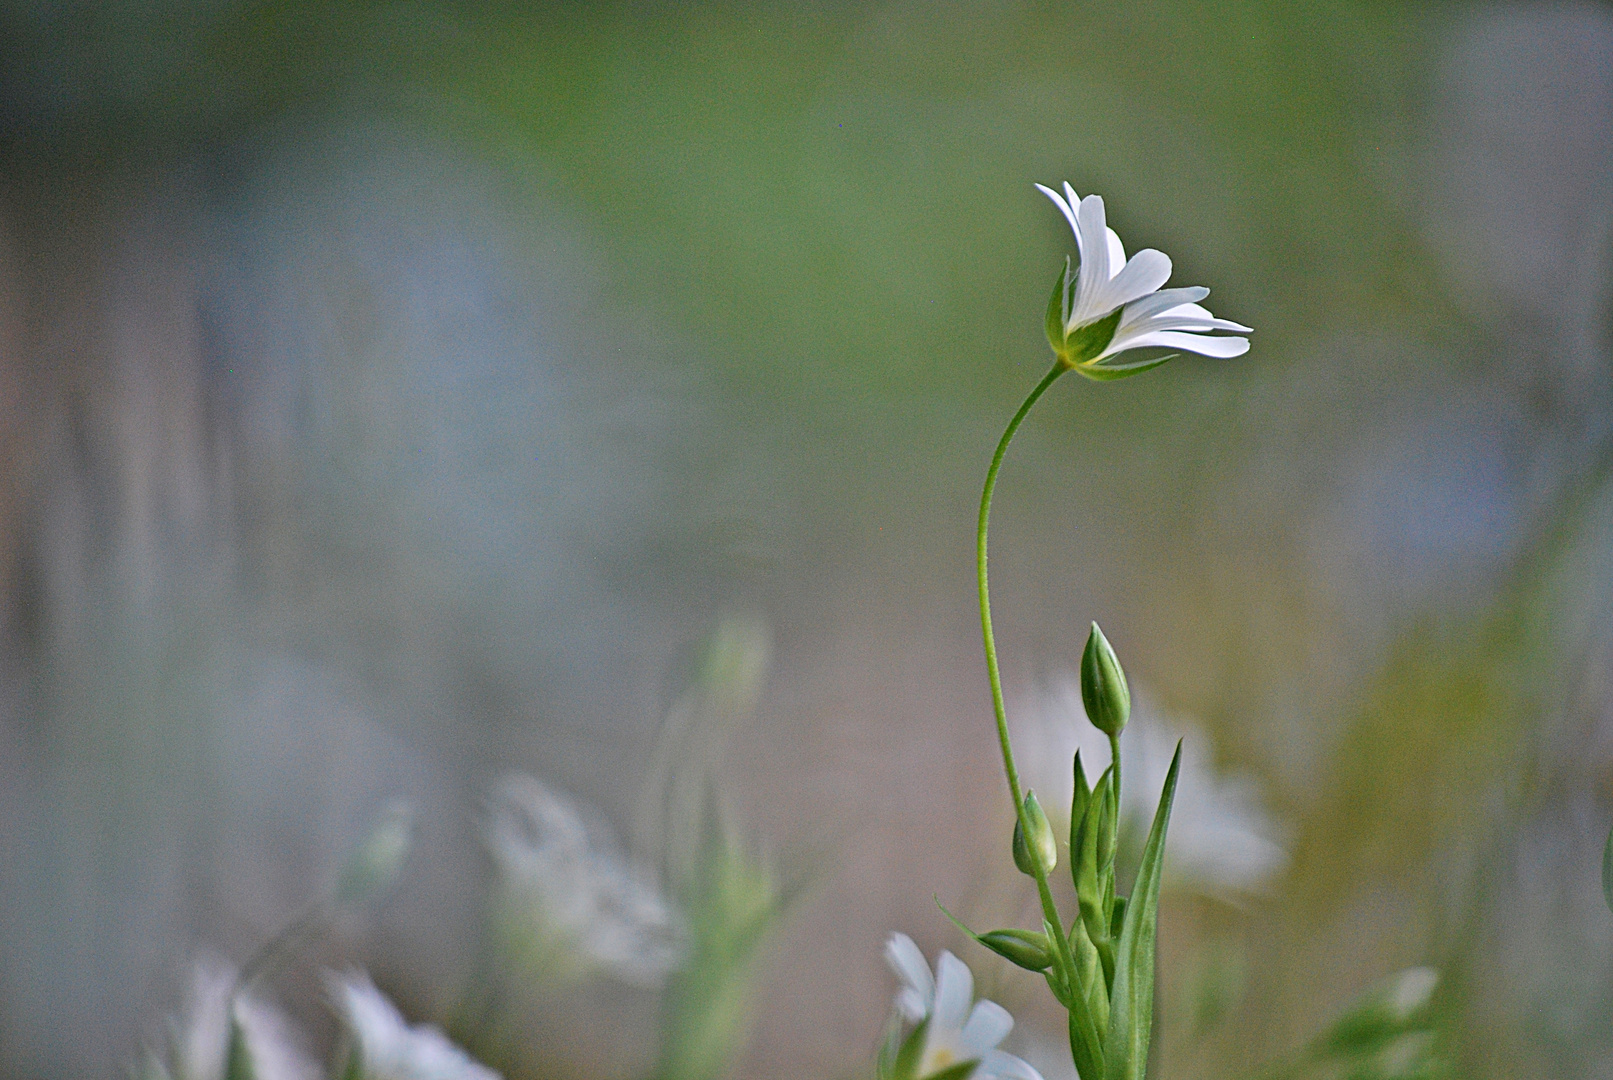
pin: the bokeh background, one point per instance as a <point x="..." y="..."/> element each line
<point x="394" y="395"/>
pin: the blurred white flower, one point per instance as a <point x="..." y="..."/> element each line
<point x="571" y="889"/>
<point x="955" y="1032"/>
<point x="1221" y="839"/>
<point x="386" y="1047"/>
<point x="199" y="1038"/>
<point x="1109" y="304"/>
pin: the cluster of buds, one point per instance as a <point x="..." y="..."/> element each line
<point x="1102" y="968"/>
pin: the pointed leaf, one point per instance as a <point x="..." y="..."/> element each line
<point x="1094" y="989"/>
<point x="1131" y="1007"/>
<point x="1097" y="859"/>
<point x="1104" y="373"/>
<point x="1086" y="1049"/>
<point x="1078" y="812"/>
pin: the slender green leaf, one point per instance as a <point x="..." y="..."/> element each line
<point x="1078" y="813"/>
<point x="1086" y="1049"/>
<point x="1097" y="860"/>
<point x="1131" y="1007"/>
<point x="1094" y="987"/>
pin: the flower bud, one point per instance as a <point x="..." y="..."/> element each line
<point x="376" y="862"/>
<point x="1042" y="844"/>
<point x="1103" y="685"/>
<point x="1026" y="948"/>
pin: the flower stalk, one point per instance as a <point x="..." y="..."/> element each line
<point x="1101" y="969"/>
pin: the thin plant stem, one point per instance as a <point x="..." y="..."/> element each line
<point x="993" y="672"/>
<point x="1114" y="754"/>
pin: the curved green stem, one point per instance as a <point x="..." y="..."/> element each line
<point x="992" y="670"/>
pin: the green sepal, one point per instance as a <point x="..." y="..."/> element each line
<point x="1085" y="342"/>
<point x="906" y="1065"/>
<point x="1055" y="311"/>
<point x="1106" y="373"/>
<point x="237" y="1056"/>
<point x="1607" y="871"/>
<point x="1046" y="849"/>
<point x="1131" y="1006"/>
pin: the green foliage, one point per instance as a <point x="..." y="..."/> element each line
<point x="1131" y="1014"/>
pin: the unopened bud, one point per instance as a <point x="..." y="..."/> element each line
<point x="1103" y="685"/>
<point x="373" y="865"/>
<point x="1042" y="845"/>
<point x="1027" y="948"/>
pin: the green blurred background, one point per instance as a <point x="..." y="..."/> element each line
<point x="391" y="395"/>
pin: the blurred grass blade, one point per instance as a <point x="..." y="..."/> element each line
<point x="1131" y="1009"/>
<point x="1607" y="871"/>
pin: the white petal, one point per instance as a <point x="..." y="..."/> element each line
<point x="1220" y="347"/>
<point x="1117" y="253"/>
<point x="1146" y="272"/>
<point x="909" y="964"/>
<point x="1179" y="318"/>
<point x="988" y="1025"/>
<point x="912" y="1007"/>
<point x="954" y="989"/>
<point x="1200" y="314"/>
<point x="1163" y="300"/>
<point x="1067" y="208"/>
<point x="997" y="1065"/>
<point x="1091" y="238"/>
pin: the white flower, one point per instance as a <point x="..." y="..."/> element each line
<point x="200" y="1036"/>
<point x="1110" y="304"/>
<point x="955" y="1032"/>
<point x="387" y="1048"/>
<point x="572" y="889"/>
<point x="1221" y="840"/>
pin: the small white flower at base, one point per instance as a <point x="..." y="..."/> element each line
<point x="583" y="903"/>
<point x="956" y="1032"/>
<point x="199" y="1038"/>
<point x="387" y="1047"/>
<point x="1110" y="304"/>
